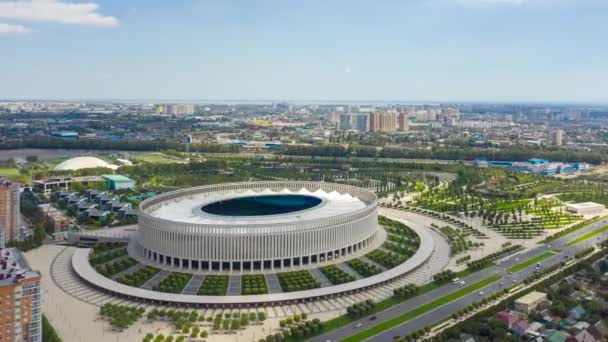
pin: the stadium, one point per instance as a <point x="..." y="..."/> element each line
<point x="254" y="226"/>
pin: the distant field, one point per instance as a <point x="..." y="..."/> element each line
<point x="10" y="172"/>
<point x="155" y="158"/>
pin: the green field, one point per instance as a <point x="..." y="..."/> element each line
<point x="587" y="236"/>
<point x="155" y="158"/>
<point x="530" y="262"/>
<point x="9" y="171"/>
<point x="375" y="330"/>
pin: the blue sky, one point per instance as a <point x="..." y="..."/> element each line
<point x="408" y="50"/>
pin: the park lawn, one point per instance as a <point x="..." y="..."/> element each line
<point x="9" y="171"/>
<point x="530" y="262"/>
<point x="375" y="330"/>
<point x="587" y="236"/>
<point x="155" y="158"/>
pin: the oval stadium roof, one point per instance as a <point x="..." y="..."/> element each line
<point x="83" y="163"/>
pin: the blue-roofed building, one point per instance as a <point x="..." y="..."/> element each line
<point x="64" y="134"/>
<point x="537" y="161"/>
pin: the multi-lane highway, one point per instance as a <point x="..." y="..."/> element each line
<point x="446" y="310"/>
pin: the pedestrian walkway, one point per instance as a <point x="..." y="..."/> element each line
<point x="194" y="284"/>
<point x="315" y="273"/>
<point x="234" y="285"/>
<point x="157" y="278"/>
<point x="273" y="283"/>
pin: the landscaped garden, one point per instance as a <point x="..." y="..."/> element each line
<point x="109" y="269"/>
<point x="173" y="283"/>
<point x="96" y="258"/>
<point x="121" y="316"/>
<point x="335" y="275"/>
<point x="253" y="284"/>
<point x="297" y="281"/>
<point x="214" y="285"/>
<point x="365" y="269"/>
<point x="386" y="259"/>
<point x="139" y="277"/>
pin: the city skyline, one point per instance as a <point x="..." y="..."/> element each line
<point x="533" y="51"/>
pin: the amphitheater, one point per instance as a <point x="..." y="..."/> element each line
<point x="265" y="228"/>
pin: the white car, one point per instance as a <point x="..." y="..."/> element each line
<point x="481" y="293"/>
<point x="358" y="325"/>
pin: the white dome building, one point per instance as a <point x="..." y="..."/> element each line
<point x="83" y="163"/>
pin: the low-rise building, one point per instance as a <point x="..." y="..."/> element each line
<point x="586" y="208"/>
<point x="530" y="301"/>
<point x="117" y="182"/>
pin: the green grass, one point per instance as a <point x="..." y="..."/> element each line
<point x="587" y="236"/>
<point x="391" y="301"/>
<point x="530" y="262"/>
<point x="9" y="171"/>
<point x="375" y="330"/>
<point x="155" y="158"/>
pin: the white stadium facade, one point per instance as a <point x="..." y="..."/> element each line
<point x="236" y="229"/>
<point x="175" y="230"/>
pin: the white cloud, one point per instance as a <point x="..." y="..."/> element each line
<point x="10" y="29"/>
<point x="55" y="11"/>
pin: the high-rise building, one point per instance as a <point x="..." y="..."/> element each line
<point x="175" y="109"/>
<point x="9" y="210"/>
<point x="354" y="122"/>
<point x="403" y="122"/>
<point x="334" y="117"/>
<point x="557" y="137"/>
<point x="20" y="299"/>
<point x="383" y="122"/>
<point x="450" y="116"/>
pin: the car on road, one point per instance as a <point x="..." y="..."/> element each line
<point x="456" y="281"/>
<point x="462" y="283"/>
<point x="373" y="318"/>
<point x="358" y="325"/>
<point x="481" y="293"/>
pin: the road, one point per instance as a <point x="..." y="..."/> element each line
<point x="343" y="159"/>
<point x="446" y="310"/>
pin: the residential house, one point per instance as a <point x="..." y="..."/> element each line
<point x="116" y="206"/>
<point x="552" y="335"/>
<point x="98" y="215"/>
<point x="582" y="325"/>
<point x="599" y="330"/>
<point x="577" y="312"/>
<point x="127" y="212"/>
<point x="520" y="327"/>
<point x="583" y="336"/>
<point x="92" y="194"/>
<point x="104" y="198"/>
<point x="508" y="318"/>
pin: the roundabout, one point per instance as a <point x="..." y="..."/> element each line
<point x="295" y="242"/>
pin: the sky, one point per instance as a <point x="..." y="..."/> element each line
<point x="377" y="50"/>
